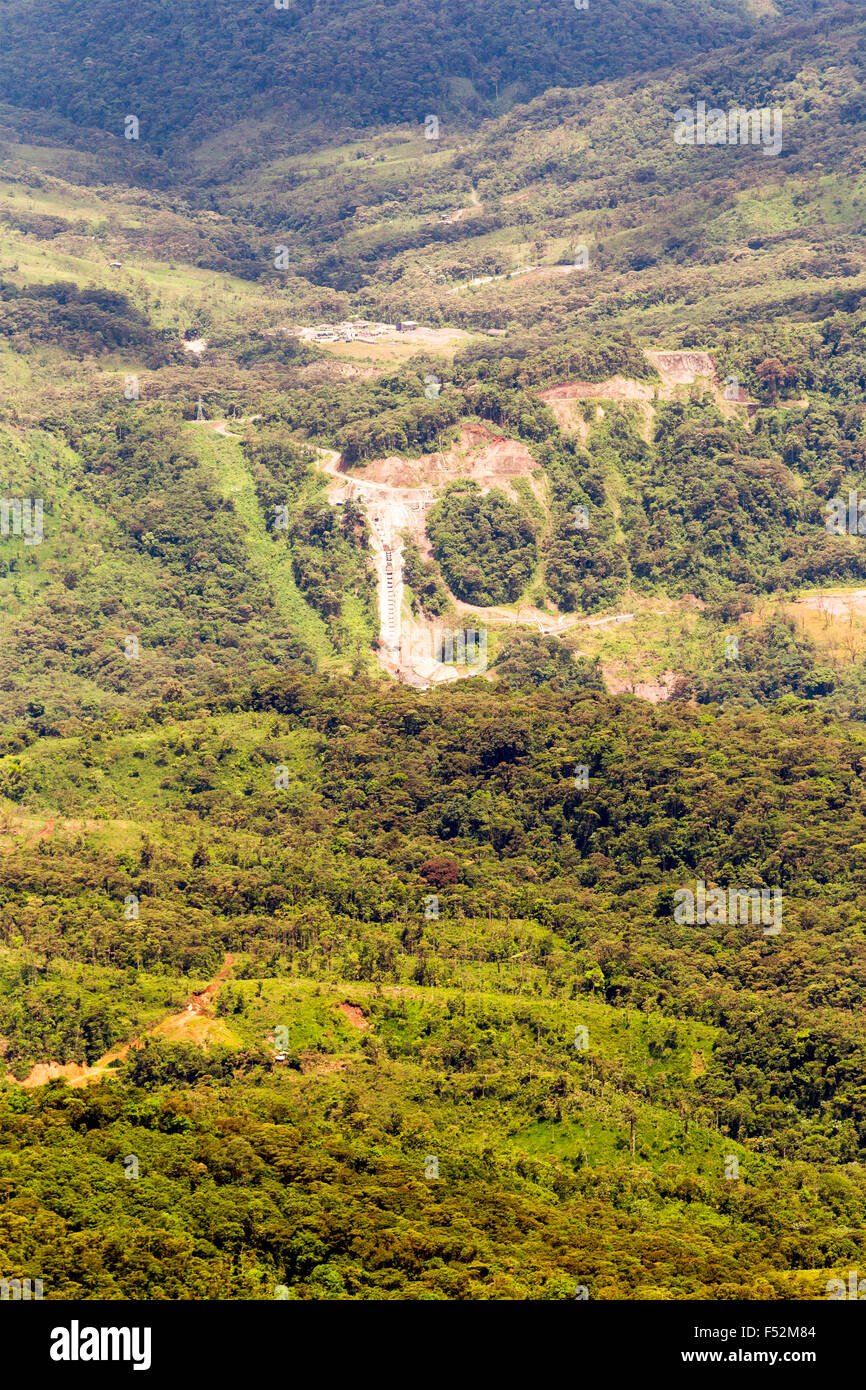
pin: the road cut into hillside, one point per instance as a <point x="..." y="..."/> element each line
<point x="397" y="494"/>
<point x="194" y="1024"/>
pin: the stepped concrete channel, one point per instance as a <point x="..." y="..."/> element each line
<point x="406" y="647"/>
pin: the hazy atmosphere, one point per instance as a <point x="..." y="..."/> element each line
<point x="433" y="661"/>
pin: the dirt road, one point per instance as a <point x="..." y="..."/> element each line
<point x="397" y="494"/>
<point x="195" y="1023"/>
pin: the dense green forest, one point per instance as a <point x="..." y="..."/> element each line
<point x="485" y="547"/>
<point x="366" y="63"/>
<point x="553" y="911"/>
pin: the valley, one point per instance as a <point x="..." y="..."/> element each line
<point x="432" y="585"/>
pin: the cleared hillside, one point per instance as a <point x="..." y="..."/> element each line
<point x="386" y="991"/>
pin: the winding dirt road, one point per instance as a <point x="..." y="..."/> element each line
<point x="187" y="1025"/>
<point x="407" y="645"/>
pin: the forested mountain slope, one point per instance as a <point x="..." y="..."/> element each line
<point x="439" y="949"/>
<point x="386" y="991"/>
<point x="188" y="69"/>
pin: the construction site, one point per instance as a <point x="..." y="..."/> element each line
<point x="358" y="337"/>
<point x="397" y="494"/>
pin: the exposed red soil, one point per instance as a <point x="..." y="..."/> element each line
<point x="480" y="454"/>
<point x="202" y="999"/>
<point x="617" y="388"/>
<point x="355" y="1015"/>
<point x="656" y="692"/>
<point x="200" y="1004"/>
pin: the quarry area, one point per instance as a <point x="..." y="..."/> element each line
<point x="397" y="494"/>
<point x="677" y="370"/>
